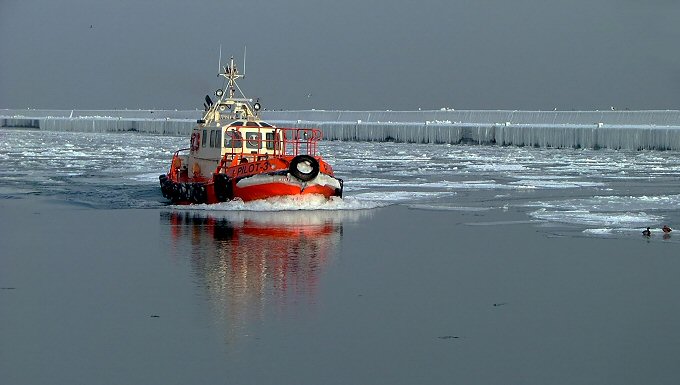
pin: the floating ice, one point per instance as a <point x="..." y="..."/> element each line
<point x="555" y="184"/>
<point x="399" y="196"/>
<point x="593" y="218"/>
<point x="603" y="189"/>
<point x="449" y="208"/>
<point x="613" y="203"/>
<point x="496" y="167"/>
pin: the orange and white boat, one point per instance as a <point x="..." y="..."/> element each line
<point x="235" y="155"/>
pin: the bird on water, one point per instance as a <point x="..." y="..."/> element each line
<point x="646" y="232"/>
<point x="666" y="229"/>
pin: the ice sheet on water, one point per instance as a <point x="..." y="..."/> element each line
<point x="387" y="197"/>
<point x="7" y="190"/>
<point x="370" y="182"/>
<point x="588" y="188"/>
<point x="594" y="218"/>
<point x="146" y="177"/>
<point x="440" y="207"/>
<point x="451" y="185"/>
<point x="614" y="231"/>
<point x="419" y="183"/>
<point x="555" y="184"/>
<point x="628" y="232"/>
<point x="609" y="203"/>
<point x="496" y="167"/>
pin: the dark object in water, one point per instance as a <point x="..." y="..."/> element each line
<point x="646" y="233"/>
<point x="447" y="337"/>
<point x="666" y="229"/>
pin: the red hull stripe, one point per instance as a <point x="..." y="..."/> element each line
<point x="268" y="190"/>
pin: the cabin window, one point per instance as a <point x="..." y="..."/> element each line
<point x="253" y="140"/>
<point x="204" y="138"/>
<point x="252" y="124"/>
<point x="218" y="138"/>
<point x="271" y="142"/>
<point x="212" y="138"/>
<point x="233" y="139"/>
<point x="236" y="124"/>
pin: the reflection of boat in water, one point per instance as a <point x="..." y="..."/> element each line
<point x="249" y="260"/>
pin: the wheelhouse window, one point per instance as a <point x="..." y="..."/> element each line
<point x="212" y="138"/>
<point x="272" y="141"/>
<point x="204" y="138"/>
<point x="233" y="139"/>
<point x="218" y="138"/>
<point x="253" y="140"/>
<point x="252" y="124"/>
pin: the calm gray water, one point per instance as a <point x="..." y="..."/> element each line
<point x="443" y="264"/>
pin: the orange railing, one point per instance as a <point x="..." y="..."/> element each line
<point x="176" y="164"/>
<point x="281" y="142"/>
<point x="303" y="141"/>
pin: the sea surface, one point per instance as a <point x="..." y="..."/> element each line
<point x="598" y="192"/>
<point x="441" y="264"/>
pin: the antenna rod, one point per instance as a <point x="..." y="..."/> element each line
<point x="219" y="64"/>
<point x="244" y="60"/>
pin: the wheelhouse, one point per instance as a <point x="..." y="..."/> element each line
<point x="251" y="139"/>
<point x="244" y="141"/>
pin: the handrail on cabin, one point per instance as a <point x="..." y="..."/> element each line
<point x="285" y="142"/>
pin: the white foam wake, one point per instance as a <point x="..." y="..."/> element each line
<point x="291" y="203"/>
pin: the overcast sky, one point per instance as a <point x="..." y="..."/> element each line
<point x="349" y="54"/>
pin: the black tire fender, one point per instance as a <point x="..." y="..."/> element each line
<point x="222" y="186"/>
<point x="310" y="167"/>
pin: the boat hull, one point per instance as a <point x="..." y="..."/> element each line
<point x="262" y="186"/>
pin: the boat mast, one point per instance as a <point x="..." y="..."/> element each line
<point x="231" y="74"/>
<point x="227" y="104"/>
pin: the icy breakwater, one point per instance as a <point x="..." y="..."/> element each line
<point x="636" y="130"/>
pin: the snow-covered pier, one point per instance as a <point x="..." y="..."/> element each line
<point x="636" y="130"/>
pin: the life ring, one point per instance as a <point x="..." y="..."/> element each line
<point x="195" y="141"/>
<point x="304" y="167"/>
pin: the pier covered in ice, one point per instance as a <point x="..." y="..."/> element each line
<point x="636" y="130"/>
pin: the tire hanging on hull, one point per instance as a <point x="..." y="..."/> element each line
<point x="223" y="187"/>
<point x="309" y="170"/>
<point x="183" y="192"/>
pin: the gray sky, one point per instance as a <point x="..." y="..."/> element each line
<point x="349" y="54"/>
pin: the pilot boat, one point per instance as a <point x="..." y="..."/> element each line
<point x="233" y="154"/>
